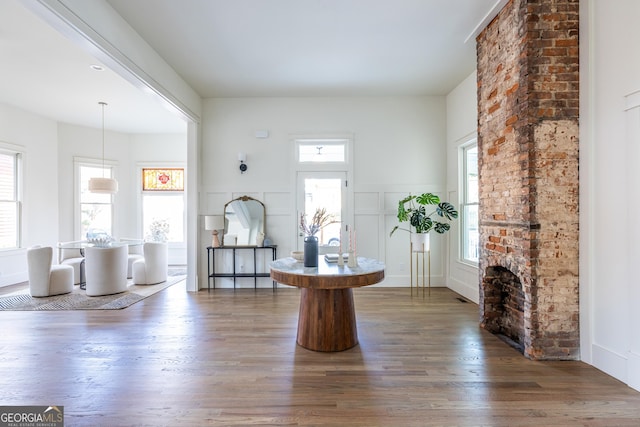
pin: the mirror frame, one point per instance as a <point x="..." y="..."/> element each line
<point x="226" y="222"/>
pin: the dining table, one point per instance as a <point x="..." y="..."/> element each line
<point x="81" y="245"/>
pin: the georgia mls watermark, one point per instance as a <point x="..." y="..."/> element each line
<point x="31" y="416"/>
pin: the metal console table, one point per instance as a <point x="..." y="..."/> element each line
<point x="211" y="264"/>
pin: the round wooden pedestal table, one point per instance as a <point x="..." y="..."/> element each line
<point x="327" y="318"/>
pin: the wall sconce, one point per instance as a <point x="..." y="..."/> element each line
<point x="214" y="223"/>
<point x="243" y="158"/>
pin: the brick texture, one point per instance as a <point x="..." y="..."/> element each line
<point x="528" y="90"/>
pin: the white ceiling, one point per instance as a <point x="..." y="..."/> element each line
<point x="243" y="48"/>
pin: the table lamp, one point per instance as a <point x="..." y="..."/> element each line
<point x="214" y="223"/>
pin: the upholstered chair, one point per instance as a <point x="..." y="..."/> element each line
<point x="106" y="269"/>
<point x="74" y="258"/>
<point x="45" y="278"/>
<point x="153" y="268"/>
<point x="134" y="253"/>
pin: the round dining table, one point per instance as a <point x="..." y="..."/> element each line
<point x="327" y="317"/>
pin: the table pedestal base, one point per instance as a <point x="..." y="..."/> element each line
<point x="327" y="320"/>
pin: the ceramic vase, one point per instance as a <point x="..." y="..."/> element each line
<point x="310" y="251"/>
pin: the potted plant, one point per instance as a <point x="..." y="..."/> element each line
<point x="320" y="220"/>
<point x="413" y="209"/>
<point x="158" y="230"/>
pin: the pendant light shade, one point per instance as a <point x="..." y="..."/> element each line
<point x="103" y="185"/>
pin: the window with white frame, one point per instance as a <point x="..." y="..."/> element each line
<point x="10" y="204"/>
<point x="163" y="212"/>
<point x="322" y="150"/>
<point x="96" y="209"/>
<point x="470" y="238"/>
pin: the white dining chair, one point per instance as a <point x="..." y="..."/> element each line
<point x="73" y="257"/>
<point x="106" y="270"/>
<point x="45" y="278"/>
<point x="154" y="267"/>
<point x="134" y="253"/>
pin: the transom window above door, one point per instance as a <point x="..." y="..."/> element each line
<point x="322" y="150"/>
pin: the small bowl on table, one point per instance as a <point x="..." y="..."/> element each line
<point x="297" y="255"/>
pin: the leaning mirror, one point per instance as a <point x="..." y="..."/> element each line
<point x="244" y="222"/>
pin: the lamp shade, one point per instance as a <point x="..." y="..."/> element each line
<point x="103" y="185"/>
<point x="213" y="222"/>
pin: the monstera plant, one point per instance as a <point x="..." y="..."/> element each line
<point x="419" y="211"/>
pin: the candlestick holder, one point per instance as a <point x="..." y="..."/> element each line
<point x="352" y="261"/>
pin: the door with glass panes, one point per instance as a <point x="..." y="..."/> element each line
<point x="323" y="190"/>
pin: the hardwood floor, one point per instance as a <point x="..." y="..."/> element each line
<point x="230" y="358"/>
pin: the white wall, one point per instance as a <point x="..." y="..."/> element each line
<point x="462" y="121"/>
<point x="399" y="144"/>
<point x="37" y="136"/>
<point x="610" y="70"/>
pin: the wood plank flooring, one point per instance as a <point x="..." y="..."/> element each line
<point x="230" y="358"/>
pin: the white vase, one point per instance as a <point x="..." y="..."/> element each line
<point x="420" y="242"/>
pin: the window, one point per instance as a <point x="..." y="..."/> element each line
<point x="96" y="210"/>
<point x="170" y="179"/>
<point x="9" y="200"/>
<point x="470" y="236"/>
<point x="322" y="150"/>
<point x="163" y="213"/>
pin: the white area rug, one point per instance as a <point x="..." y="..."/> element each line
<point x="78" y="299"/>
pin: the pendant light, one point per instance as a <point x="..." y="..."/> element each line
<point x="103" y="185"/>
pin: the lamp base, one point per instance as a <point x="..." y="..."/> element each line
<point x="215" y="242"/>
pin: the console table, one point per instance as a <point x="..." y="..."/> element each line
<point x="211" y="264"/>
<point x="327" y="317"/>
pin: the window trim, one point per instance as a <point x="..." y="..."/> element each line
<point x="346" y="138"/>
<point x="19" y="154"/>
<point x="335" y="142"/>
<point x="463" y="150"/>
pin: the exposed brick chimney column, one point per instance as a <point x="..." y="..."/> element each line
<point x="528" y="76"/>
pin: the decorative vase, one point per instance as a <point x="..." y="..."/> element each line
<point x="310" y="251"/>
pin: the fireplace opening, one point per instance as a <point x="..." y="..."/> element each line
<point x="504" y="306"/>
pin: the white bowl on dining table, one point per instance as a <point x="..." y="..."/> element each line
<point x="297" y="255"/>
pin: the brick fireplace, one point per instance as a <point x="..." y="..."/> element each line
<point x="528" y="79"/>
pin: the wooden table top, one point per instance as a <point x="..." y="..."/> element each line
<point x="327" y="275"/>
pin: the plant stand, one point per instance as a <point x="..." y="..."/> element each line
<point x="420" y="249"/>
